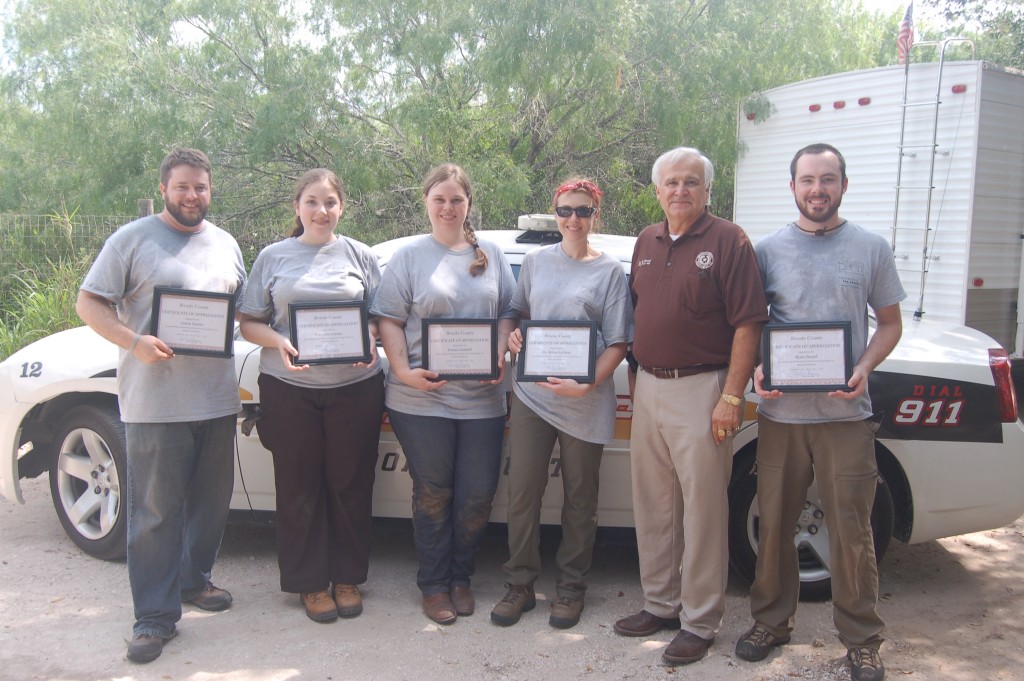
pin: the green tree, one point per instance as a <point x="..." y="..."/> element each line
<point x="996" y="26"/>
<point x="521" y="94"/>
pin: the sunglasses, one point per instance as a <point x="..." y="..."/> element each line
<point x="581" y="211"/>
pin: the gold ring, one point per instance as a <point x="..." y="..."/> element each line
<point x="721" y="433"/>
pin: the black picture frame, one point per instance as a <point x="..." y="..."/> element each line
<point x="563" y="352"/>
<point x="326" y="313"/>
<point x="807" y="356"/>
<point x="454" y="348"/>
<point x="194" y="322"/>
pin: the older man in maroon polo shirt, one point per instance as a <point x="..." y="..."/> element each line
<point x="699" y="309"/>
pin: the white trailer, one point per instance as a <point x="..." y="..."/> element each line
<point x="944" y="182"/>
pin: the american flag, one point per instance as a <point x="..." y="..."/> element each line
<point x="905" y="38"/>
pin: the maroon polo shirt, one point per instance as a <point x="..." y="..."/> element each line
<point x="690" y="294"/>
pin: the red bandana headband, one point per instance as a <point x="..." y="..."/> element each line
<point x="585" y="186"/>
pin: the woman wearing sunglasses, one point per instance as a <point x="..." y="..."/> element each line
<point x="568" y="281"/>
<point x="451" y="431"/>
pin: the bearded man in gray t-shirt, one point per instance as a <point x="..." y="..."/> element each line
<point x="179" y="410"/>
<point x="822" y="269"/>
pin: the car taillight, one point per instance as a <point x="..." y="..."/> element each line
<point x="999" y="362"/>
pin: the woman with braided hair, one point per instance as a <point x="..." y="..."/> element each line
<point x="451" y="431"/>
<point x="569" y="281"/>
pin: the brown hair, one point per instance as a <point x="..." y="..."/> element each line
<point x="814" y="150"/>
<point x="450" y="171"/>
<point x="312" y="177"/>
<point x="180" y="156"/>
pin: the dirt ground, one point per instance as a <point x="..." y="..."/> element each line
<point x="953" y="610"/>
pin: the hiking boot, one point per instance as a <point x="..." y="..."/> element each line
<point x="348" y="600"/>
<point x="685" y="648"/>
<point x="565" y="612"/>
<point x="462" y="599"/>
<point x="644" y="623"/>
<point x="865" y="664"/>
<point x="211" y="598"/>
<point x="147" y="647"/>
<point x="517" y="600"/>
<point x="320" y="607"/>
<point x="755" y="645"/>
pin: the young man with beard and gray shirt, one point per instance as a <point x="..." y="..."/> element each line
<point x="179" y="410"/>
<point x="822" y="268"/>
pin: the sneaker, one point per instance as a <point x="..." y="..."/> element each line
<point x="211" y="598"/>
<point x="517" y="600"/>
<point x="865" y="664"/>
<point x="565" y="612"/>
<point x="146" y="647"/>
<point x="320" y="607"/>
<point x="348" y="600"/>
<point x="755" y="645"/>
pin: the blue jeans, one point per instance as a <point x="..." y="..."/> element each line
<point x="180" y="477"/>
<point x="454" y="464"/>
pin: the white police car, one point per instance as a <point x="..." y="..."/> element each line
<point x="950" y="447"/>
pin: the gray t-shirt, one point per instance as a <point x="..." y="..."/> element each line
<point x="833" y="277"/>
<point x="146" y="253"/>
<point x="553" y="286"/>
<point x="425" y="279"/>
<point x="291" y="271"/>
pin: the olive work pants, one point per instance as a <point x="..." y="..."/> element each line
<point x="840" y="456"/>
<point x="531" y="440"/>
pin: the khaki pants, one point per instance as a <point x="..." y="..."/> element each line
<point x="531" y="440"/>
<point x="680" y="500"/>
<point x="841" y="457"/>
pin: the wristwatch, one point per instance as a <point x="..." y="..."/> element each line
<point x="732" y="399"/>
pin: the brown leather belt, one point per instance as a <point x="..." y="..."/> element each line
<point x="665" y="373"/>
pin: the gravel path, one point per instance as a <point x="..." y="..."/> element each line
<point x="952" y="607"/>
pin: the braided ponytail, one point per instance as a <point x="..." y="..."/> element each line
<point x="450" y="171"/>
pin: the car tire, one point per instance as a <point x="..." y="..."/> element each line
<point x="89" y="480"/>
<point x="815" y="577"/>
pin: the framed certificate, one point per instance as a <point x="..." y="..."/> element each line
<point x="807" y="357"/>
<point x="329" y="332"/>
<point x="461" y="349"/>
<point x="558" y="348"/>
<point x="194" y="322"/>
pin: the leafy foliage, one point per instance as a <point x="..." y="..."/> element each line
<point x="996" y="26"/>
<point x="521" y="94"/>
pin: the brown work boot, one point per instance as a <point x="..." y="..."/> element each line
<point x="212" y="598"/>
<point x="644" y="623"/>
<point x="463" y="600"/>
<point x="517" y="600"/>
<point x="319" y="606"/>
<point x="865" y="664"/>
<point x="348" y="600"/>
<point x="755" y="645"/>
<point x="565" y="612"/>
<point x="439" y="607"/>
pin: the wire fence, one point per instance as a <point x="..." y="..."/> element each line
<point x="31" y="245"/>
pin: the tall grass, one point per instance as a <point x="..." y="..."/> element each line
<point x="38" y="306"/>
